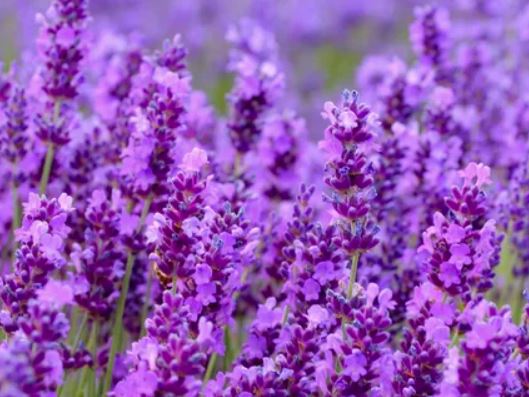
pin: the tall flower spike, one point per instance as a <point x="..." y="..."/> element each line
<point x="311" y="258"/>
<point x="100" y="260"/>
<point x="26" y="371"/>
<point x="460" y="252"/>
<point x="424" y="346"/>
<point x="398" y="95"/>
<point x="14" y="142"/>
<point x="280" y="149"/>
<point x="429" y="35"/>
<point x="258" y="82"/>
<point x="164" y="87"/>
<point x="519" y="219"/>
<point x="13" y="139"/>
<point x="349" y="174"/>
<point x="486" y="367"/>
<point x="62" y="47"/>
<point x="41" y="238"/>
<point x="362" y="345"/>
<point x="174" y="257"/>
<point x="169" y="360"/>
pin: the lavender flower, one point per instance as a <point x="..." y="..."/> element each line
<point x="360" y="349"/>
<point x="175" y="242"/>
<point x="162" y="91"/>
<point x="429" y="35"/>
<point x="486" y="366"/>
<point x="460" y="254"/>
<point x="257" y="85"/>
<point x="26" y="372"/>
<point x="62" y="47"/>
<point x="41" y="237"/>
<point x="100" y="262"/>
<point x="169" y="359"/>
<point x="349" y="174"/>
<point x="13" y="139"/>
<point x="518" y="218"/>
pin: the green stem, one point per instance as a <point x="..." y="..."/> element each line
<point x="350" y="286"/>
<point x="145" y="210"/>
<point x="92" y="378"/>
<point x="285" y="315"/>
<point x="454" y="340"/>
<point x="173" y="287"/>
<point x="50" y="152"/>
<point x="229" y="354"/>
<point x="73" y="328"/>
<point x="79" y="335"/>
<point x="88" y="374"/>
<point x="344" y="330"/>
<point x="519" y="300"/>
<point x="117" y="329"/>
<point x="211" y="367"/>
<point x="17" y="210"/>
<point x="352" y="275"/>
<point x="47" y="168"/>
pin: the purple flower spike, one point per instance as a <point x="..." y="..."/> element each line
<point x="429" y="35"/>
<point x="62" y="47"/>
<point x="258" y="82"/>
<point x="361" y="347"/>
<point x="41" y="236"/>
<point x="350" y="175"/>
<point x="462" y="250"/>
<point x="13" y="139"/>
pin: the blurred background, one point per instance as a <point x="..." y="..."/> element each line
<point x="321" y="42"/>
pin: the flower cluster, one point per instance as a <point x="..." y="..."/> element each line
<point x="460" y="254"/>
<point x="62" y="47"/>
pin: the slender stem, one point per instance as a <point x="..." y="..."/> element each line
<point x="519" y="300"/>
<point x="4" y="255"/>
<point x="118" y="325"/>
<point x="237" y="164"/>
<point x="50" y="152"/>
<point x="350" y="286"/>
<point x="89" y="373"/>
<point x="74" y="337"/>
<point x="454" y="341"/>
<point x="211" y="367"/>
<point x="17" y="211"/>
<point x="117" y="329"/>
<point x="74" y="319"/>
<point x="227" y="353"/>
<point x="92" y="378"/>
<point x="145" y="210"/>
<point x="47" y="168"/>
<point x="285" y="315"/>
<point x="352" y="275"/>
<point x="173" y="287"/>
<point x="79" y="335"/>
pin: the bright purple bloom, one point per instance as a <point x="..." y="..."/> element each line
<point x="460" y="254"/>
<point x="349" y="173"/>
